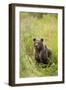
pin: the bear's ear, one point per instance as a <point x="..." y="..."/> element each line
<point x="42" y="39"/>
<point x="34" y="39"/>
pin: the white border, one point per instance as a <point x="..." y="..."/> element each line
<point x="36" y="79"/>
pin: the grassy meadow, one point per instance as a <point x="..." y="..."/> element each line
<point x="38" y="25"/>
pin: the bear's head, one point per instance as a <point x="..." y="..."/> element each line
<point x="38" y="44"/>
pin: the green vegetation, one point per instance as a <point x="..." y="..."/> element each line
<point x="37" y="25"/>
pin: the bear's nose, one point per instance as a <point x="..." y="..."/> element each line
<point x="36" y="44"/>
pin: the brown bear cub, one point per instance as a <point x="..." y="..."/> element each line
<point x="42" y="53"/>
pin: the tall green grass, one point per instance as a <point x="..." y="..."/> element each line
<point x="32" y="26"/>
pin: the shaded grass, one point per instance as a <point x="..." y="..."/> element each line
<point x="34" y="27"/>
